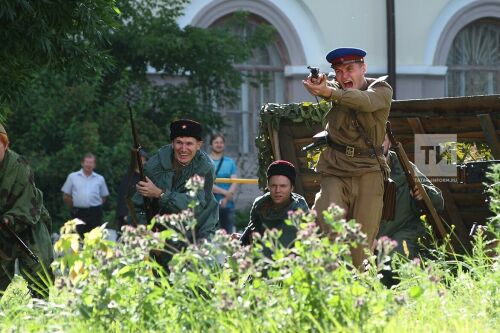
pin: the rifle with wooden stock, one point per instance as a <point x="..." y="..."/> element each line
<point x="149" y="207"/>
<point x="428" y="208"/>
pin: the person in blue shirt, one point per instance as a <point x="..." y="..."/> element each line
<point x="225" y="167"/>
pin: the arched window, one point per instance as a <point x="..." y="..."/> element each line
<point x="474" y="60"/>
<point x="264" y="83"/>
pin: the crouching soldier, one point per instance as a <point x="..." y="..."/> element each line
<point x="167" y="173"/>
<point x="406" y="227"/>
<point x="23" y="215"/>
<point x="270" y="210"/>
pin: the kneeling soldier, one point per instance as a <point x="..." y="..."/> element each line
<point x="406" y="227"/>
<point x="270" y="210"/>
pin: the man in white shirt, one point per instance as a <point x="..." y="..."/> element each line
<point x="85" y="192"/>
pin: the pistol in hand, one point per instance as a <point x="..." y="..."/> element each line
<point x="314" y="72"/>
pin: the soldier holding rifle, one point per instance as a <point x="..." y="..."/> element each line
<point x="406" y="227"/>
<point x="167" y="172"/>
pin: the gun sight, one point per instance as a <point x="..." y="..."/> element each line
<point x="314" y="71"/>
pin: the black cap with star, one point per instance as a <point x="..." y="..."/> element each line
<point x="185" y="128"/>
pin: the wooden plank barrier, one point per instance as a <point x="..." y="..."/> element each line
<point x="474" y="119"/>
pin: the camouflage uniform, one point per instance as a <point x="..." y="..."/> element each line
<point x="265" y="215"/>
<point x="22" y="204"/>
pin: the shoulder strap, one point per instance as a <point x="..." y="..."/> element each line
<point x="219" y="166"/>
<point x="370" y="144"/>
<point x="380" y="79"/>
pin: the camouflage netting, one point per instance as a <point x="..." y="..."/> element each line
<point x="271" y="114"/>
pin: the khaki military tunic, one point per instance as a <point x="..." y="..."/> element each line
<point x="372" y="106"/>
<point x="355" y="183"/>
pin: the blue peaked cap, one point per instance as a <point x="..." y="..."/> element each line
<point x="343" y="55"/>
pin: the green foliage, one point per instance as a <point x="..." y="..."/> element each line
<point x="63" y="115"/>
<point x="494" y="195"/>
<point x="221" y="286"/>
<point x="313" y="155"/>
<point x="16" y="293"/>
<point x="55" y="33"/>
<point x="467" y="152"/>
<point x="270" y="116"/>
<point x="241" y="218"/>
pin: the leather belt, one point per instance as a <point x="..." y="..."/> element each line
<point x="355" y="152"/>
<point x="84" y="209"/>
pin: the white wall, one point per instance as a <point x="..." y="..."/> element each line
<point x="311" y="28"/>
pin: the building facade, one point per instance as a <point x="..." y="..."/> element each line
<point x="442" y="48"/>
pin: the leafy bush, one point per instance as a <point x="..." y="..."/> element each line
<point x="222" y="286"/>
<point x="241" y="218"/>
<point x="61" y="115"/>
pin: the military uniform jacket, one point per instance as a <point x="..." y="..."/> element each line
<point x="372" y="105"/>
<point x="264" y="215"/>
<point x="160" y="170"/>
<point x="22" y="204"/>
<point x="407" y="213"/>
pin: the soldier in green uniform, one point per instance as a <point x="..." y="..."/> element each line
<point x="353" y="167"/>
<point x="22" y="210"/>
<point x="270" y="210"/>
<point x="406" y="227"/>
<point x="167" y="173"/>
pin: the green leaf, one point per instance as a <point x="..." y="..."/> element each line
<point x="124" y="270"/>
<point x="358" y="289"/>
<point x="416" y="291"/>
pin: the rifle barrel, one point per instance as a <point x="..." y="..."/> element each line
<point x="148" y="204"/>
<point x="19" y="241"/>
<point x="426" y="204"/>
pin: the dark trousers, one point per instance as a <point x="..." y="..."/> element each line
<point x="226" y="219"/>
<point x="92" y="217"/>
